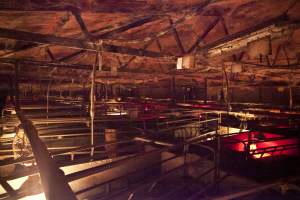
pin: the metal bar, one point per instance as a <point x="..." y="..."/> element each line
<point x="203" y="35"/>
<point x="74" y="43"/>
<point x="273" y="149"/>
<point x="71" y="66"/>
<point x="196" y="196"/>
<point x="126" y="175"/>
<point x="291" y="98"/>
<point x="205" y="90"/>
<point x="234" y="36"/>
<point x="81" y="23"/>
<point x="176" y="35"/>
<point x="126" y="27"/>
<point x="134" y="57"/>
<point x="50" y="54"/>
<point x="92" y="101"/>
<point x="68" y="57"/>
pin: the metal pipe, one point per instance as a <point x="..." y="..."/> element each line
<point x="92" y="104"/>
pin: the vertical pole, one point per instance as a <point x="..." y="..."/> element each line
<point x="291" y="97"/>
<point x="205" y="90"/>
<point x="92" y="102"/>
<point x="217" y="159"/>
<point x="17" y="92"/>
<point x="226" y="90"/>
<point x="48" y="89"/>
<point x="185" y="149"/>
<point x="260" y="90"/>
<point x="173" y="89"/>
<point x="291" y="89"/>
<point x="248" y="146"/>
<point x="106" y="92"/>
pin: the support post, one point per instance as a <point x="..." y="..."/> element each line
<point x="48" y="91"/>
<point x="205" y="90"/>
<point x="173" y="89"/>
<point x="92" y="103"/>
<point x="217" y="159"/>
<point x="291" y="97"/>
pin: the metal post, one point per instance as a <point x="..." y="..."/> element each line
<point x="173" y="89"/>
<point x="48" y="90"/>
<point x="247" y="150"/>
<point x="205" y="90"/>
<point x="106" y="92"/>
<point x="185" y="149"/>
<point x="92" y="101"/>
<point x="217" y="159"/>
<point x="17" y="92"/>
<point x="291" y="97"/>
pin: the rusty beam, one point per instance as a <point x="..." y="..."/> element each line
<point x="50" y="54"/>
<point x="76" y="14"/>
<point x="203" y="35"/>
<point x="229" y="38"/>
<point x="74" y="43"/>
<point x="134" y="57"/>
<point x="176" y="36"/>
<point x="134" y="24"/>
<point x="276" y="54"/>
<point x="159" y="45"/>
<point x="70" y="56"/>
<point x="266" y="66"/>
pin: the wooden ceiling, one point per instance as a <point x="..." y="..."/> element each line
<point x="59" y="40"/>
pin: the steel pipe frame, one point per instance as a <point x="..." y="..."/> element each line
<point x="78" y="175"/>
<point x="184" y="126"/>
<point x="199" y="176"/>
<point x="35" y="171"/>
<point x="230" y="38"/>
<point x="53" y="155"/>
<point x="166" y="174"/>
<point x="145" y="182"/>
<point x="126" y="175"/>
